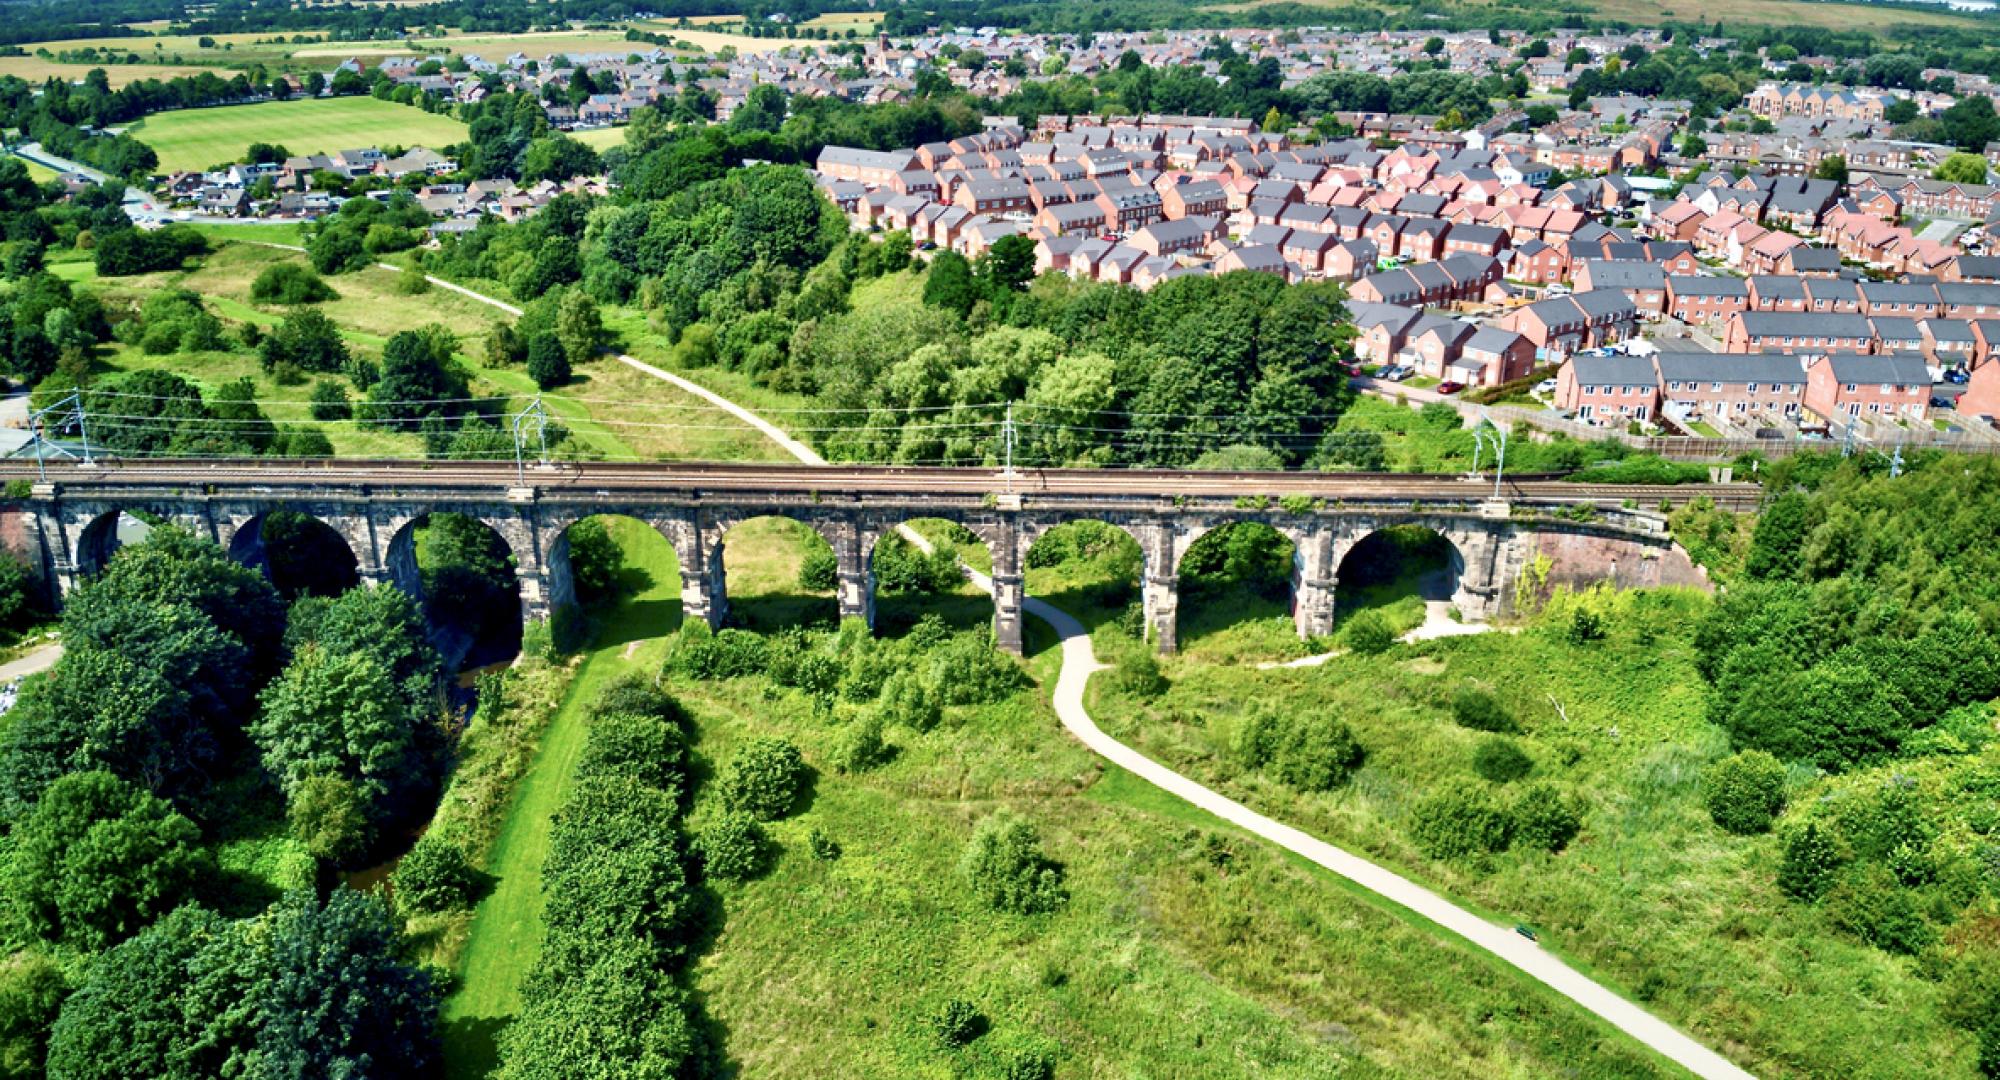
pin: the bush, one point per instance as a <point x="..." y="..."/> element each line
<point x="1004" y="866"/>
<point x="733" y="847"/>
<point x="1873" y="906"/>
<point x="646" y="748"/>
<point x="434" y="876"/>
<point x="956" y="1022"/>
<point x="1546" y="817"/>
<point x="821" y="846"/>
<point x="1139" y="676"/>
<point x="1585" y="626"/>
<point x="820" y="571"/>
<point x="1368" y="633"/>
<point x="290" y="283"/>
<point x="1476" y="709"/>
<point x="1316" y="753"/>
<point x="1809" y="864"/>
<point x="329" y="401"/>
<point x="764" y="779"/>
<point x="1745" y="792"/>
<point x="548" y="365"/>
<point x="700" y="654"/>
<point x="908" y="701"/>
<point x="860" y="746"/>
<point x="1499" y="760"/>
<point x="1460" y="819"/>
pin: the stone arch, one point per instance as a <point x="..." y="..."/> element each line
<point x="565" y="593"/>
<point x="106" y="530"/>
<point x="1383" y="560"/>
<point x="468" y="626"/>
<point x="1106" y="593"/>
<point x="952" y="598"/>
<point x="313" y="557"/>
<point x="1252" y="583"/>
<point x="774" y="597"/>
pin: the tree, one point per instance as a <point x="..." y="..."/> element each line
<point x="341" y="714"/>
<point x="337" y="249"/>
<point x="1744" y="792"/>
<point x="949" y="283"/>
<point x="595" y="561"/>
<point x="578" y="326"/>
<point x="434" y="876"/>
<point x="341" y="1001"/>
<point x="548" y="362"/>
<point x="1007" y="265"/>
<point x="616" y="1018"/>
<point x="1007" y="871"/>
<point x="419" y="377"/>
<point x="1497" y="759"/>
<point x="98" y="859"/>
<point x="329" y="401"/>
<point x="1831" y="167"/>
<point x="330" y="816"/>
<point x="306" y="340"/>
<point x="1962" y="168"/>
<point x="764" y="779"/>
<point x="32" y="989"/>
<point x="1368" y="633"/>
<point x="1460" y="819"/>
<point x="1777" y="539"/>
<point x="177" y="1001"/>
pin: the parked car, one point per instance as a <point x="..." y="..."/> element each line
<point x="1546" y="386"/>
<point x="1955" y="376"/>
<point x="1449" y="387"/>
<point x="1939" y="401"/>
<point x="1399" y="373"/>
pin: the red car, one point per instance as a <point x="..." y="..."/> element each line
<point x="1450" y="387"/>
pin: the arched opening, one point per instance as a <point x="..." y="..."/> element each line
<point x="1092" y="570"/>
<point x="778" y="573"/>
<point x="1235" y="588"/>
<point x="463" y="573"/>
<point x="1407" y="573"/>
<point x="300" y="554"/>
<point x="613" y="579"/>
<point x="911" y="582"/>
<point x="105" y="534"/>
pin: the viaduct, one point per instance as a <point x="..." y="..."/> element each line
<point x="1530" y="533"/>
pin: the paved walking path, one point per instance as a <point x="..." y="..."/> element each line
<point x="1080" y="662"/>
<point x="40" y="660"/>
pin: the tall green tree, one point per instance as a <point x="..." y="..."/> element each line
<point x="99" y="859"/>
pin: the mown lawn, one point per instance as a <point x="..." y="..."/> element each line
<point x="202" y="138"/>
<point x="505" y="934"/>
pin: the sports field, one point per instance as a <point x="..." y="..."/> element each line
<point x="199" y="138"/>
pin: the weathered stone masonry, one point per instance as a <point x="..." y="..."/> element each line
<point x="1492" y="542"/>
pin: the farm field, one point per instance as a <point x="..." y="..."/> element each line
<point x="492" y="46"/>
<point x="600" y="138"/>
<point x="198" y="138"/>
<point x="36" y="69"/>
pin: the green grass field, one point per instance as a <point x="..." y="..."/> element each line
<point x="200" y="138"/>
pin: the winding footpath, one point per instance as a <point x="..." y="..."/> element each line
<point x="1079" y="662"/>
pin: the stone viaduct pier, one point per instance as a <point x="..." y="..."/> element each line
<point x="1534" y="533"/>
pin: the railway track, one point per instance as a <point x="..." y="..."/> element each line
<point x="614" y="477"/>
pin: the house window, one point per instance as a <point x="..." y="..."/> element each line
<point x="1850" y="388"/>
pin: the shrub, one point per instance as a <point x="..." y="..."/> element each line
<point x="329" y="401"/>
<point x="1317" y="753"/>
<point x="1745" y="792"/>
<point x="1004" y="866"/>
<point x="701" y="654"/>
<point x="733" y="847"/>
<point x="1873" y="906"/>
<point x="1476" y="709"/>
<point x="821" y="846"/>
<point x="860" y="746"/>
<point x="1139" y="676"/>
<point x="1499" y="760"/>
<point x="329" y="815"/>
<point x="434" y="876"/>
<point x="908" y="701"/>
<point x="764" y="779"/>
<point x="1809" y="864"/>
<point x="1460" y="819"/>
<point x="1546" y="817"/>
<point x="1369" y="633"/>
<point x="968" y="670"/>
<point x="412" y="281"/>
<point x="290" y="283"/>
<point x="646" y="748"/>
<point x="1585" y="626"/>
<point x="820" y="571"/>
<point x="956" y="1022"/>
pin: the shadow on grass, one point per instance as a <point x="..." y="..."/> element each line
<point x="636" y="620"/>
<point x="895" y="614"/>
<point x="472" y="1046"/>
<point x="771" y="612"/>
<point x="1235" y="609"/>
